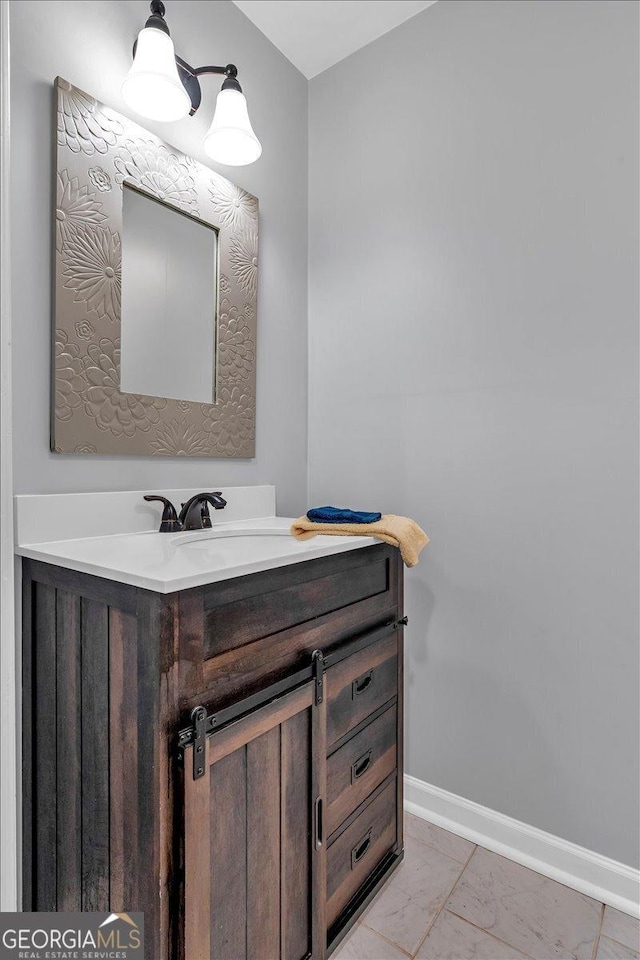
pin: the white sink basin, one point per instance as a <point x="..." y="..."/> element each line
<point x="197" y="537"/>
<point x="231" y="545"/>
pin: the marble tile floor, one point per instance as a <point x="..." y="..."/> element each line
<point x="453" y="900"/>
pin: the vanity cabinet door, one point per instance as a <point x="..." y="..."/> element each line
<point x="254" y="856"/>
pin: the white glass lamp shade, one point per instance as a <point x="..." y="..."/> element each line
<point x="153" y="87"/>
<point x="230" y="138"/>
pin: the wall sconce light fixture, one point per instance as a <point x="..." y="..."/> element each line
<point x="163" y="86"/>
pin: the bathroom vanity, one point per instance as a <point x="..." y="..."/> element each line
<point x="225" y="756"/>
<point x="212" y="722"/>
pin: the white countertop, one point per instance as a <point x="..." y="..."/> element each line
<point x="166" y="562"/>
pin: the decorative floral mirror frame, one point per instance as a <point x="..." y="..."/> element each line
<point x="97" y="150"/>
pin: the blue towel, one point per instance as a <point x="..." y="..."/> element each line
<point x="340" y="515"/>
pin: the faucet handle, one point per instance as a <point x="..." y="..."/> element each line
<point x="219" y="501"/>
<point x="169" y="522"/>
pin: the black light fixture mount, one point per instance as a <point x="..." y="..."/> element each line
<point x="159" y="79"/>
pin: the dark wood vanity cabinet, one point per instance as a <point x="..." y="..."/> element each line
<point x="258" y="826"/>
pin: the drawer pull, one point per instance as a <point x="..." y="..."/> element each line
<point x="360" y="766"/>
<point x="361" y="848"/>
<point x="361" y="684"/>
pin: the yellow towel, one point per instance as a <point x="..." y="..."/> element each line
<point x="400" y="532"/>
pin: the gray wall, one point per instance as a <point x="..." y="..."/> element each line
<point x="473" y="363"/>
<point x="90" y="45"/>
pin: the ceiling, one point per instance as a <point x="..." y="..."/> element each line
<point x="315" y="34"/>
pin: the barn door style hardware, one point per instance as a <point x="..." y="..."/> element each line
<point x="318" y="674"/>
<point x="198" y="717"/>
<point x="204" y="725"/>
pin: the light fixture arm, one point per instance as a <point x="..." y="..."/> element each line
<point x="189" y="76"/>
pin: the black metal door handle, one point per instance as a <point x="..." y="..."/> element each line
<point x="319" y="826"/>
<point x="361" y="684"/>
<point x="360" y="766"/>
<point x="361" y="848"/>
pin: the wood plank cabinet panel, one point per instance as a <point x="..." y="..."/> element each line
<point x="227" y="829"/>
<point x="44" y="847"/>
<point x="123" y="761"/>
<point x="69" y="751"/>
<point x="296" y="805"/>
<point x="97" y="678"/>
<point x="95" y="751"/>
<point x="263" y="847"/>
<point x="231" y="625"/>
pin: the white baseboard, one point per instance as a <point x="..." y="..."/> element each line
<point x="597" y="876"/>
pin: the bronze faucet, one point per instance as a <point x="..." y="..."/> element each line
<point x="194" y="514"/>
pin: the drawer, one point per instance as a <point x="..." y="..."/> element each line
<point x="359" y="685"/>
<point x="358" y="851"/>
<point x="241" y="611"/>
<point x="357" y="768"/>
<point x="239" y="635"/>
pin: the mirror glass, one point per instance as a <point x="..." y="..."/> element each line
<point x="169" y="297"/>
